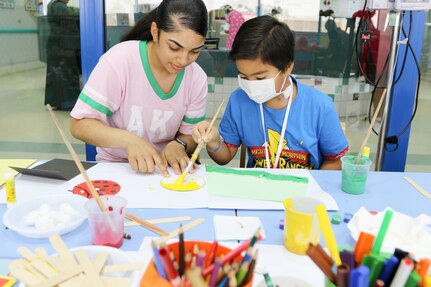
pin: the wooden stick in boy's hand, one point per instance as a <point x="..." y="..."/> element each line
<point x="198" y="148"/>
<point x="376" y="112"/>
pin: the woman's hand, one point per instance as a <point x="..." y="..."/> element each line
<point x="200" y="132"/>
<point x="143" y="157"/>
<point x="175" y="155"/>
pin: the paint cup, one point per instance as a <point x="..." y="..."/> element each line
<point x="106" y="228"/>
<point x="301" y="225"/>
<point x="354" y="176"/>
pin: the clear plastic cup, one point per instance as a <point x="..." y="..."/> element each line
<point x="354" y="176"/>
<point x="107" y="228"/>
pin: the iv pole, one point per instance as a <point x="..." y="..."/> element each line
<point x="390" y="79"/>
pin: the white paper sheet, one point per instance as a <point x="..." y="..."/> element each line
<point x="140" y="190"/>
<point x="144" y="190"/>
<point x="237" y="227"/>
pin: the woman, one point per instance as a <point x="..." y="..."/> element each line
<point x="145" y="95"/>
<point x="283" y="123"/>
<point x="234" y="20"/>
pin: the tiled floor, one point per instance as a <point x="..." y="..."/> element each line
<point x="27" y="130"/>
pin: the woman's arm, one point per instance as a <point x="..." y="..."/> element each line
<point x="141" y="154"/>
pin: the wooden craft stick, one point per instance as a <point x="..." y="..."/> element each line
<point x="39" y="264"/>
<point x="160" y="220"/>
<point x="122" y="267"/>
<point x="146" y="224"/>
<point x="61" y="277"/>
<point x="74" y="281"/>
<point x="175" y="232"/>
<point x="100" y="261"/>
<point x="89" y="270"/>
<point x="62" y="250"/>
<point x="26" y="253"/>
<point x="23" y="275"/>
<point x="116" y="281"/>
<point x="367" y="135"/>
<point x="25" y="265"/>
<point x="41" y="252"/>
<point x="418" y="187"/>
<point x="56" y="263"/>
<point x="43" y="267"/>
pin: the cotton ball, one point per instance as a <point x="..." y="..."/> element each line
<point x="66" y="208"/>
<point x="64" y="219"/>
<point x="43" y="222"/>
<point x="54" y="216"/>
<point x="44" y="209"/>
<point x="30" y="218"/>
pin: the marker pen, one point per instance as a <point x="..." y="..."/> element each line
<point x="375" y="263"/>
<point x="359" y="277"/>
<point x="389" y="269"/>
<point x="343" y="275"/>
<point x="363" y="246"/>
<point x="403" y="273"/>
<point x="413" y="280"/>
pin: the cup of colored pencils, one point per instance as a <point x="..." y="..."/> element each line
<point x="199" y="263"/>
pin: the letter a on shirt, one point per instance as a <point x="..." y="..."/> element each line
<point x="158" y="123"/>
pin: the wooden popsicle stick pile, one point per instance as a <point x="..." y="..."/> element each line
<point x="67" y="268"/>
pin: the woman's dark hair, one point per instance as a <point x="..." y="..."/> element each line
<point x="267" y="39"/>
<point x="169" y="15"/>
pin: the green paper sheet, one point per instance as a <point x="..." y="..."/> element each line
<point x="254" y="184"/>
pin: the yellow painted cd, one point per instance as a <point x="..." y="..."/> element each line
<point x="191" y="182"/>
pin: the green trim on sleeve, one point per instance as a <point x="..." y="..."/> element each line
<point x="256" y="173"/>
<point x="95" y="105"/>
<point x="157" y="89"/>
<point x="193" y="120"/>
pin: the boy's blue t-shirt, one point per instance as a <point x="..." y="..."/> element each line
<point x="313" y="130"/>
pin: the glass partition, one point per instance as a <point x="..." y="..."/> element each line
<point x="40" y="64"/>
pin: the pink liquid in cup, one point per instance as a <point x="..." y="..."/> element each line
<point x="107" y="228"/>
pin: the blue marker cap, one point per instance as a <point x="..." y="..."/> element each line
<point x="347" y="217"/>
<point x="359" y="277"/>
<point x="281" y="224"/>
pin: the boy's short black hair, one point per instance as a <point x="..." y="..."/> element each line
<point x="267" y="39"/>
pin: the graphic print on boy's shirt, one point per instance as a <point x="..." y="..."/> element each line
<point x="288" y="158"/>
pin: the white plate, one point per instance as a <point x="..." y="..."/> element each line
<point x="115" y="256"/>
<point x="14" y="218"/>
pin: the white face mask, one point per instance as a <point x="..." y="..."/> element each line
<point x="262" y="91"/>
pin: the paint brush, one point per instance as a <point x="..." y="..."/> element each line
<point x="81" y="168"/>
<point x="364" y="142"/>
<point x="198" y="149"/>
